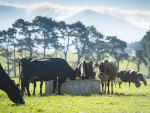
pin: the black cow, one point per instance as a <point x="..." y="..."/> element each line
<point x="46" y="69"/>
<point x="141" y="78"/>
<point x="8" y="86"/>
<point x="34" y="82"/>
<point x="128" y="76"/>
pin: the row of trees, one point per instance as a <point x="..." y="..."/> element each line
<point x="26" y="37"/>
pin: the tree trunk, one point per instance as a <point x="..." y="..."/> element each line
<point x="44" y="47"/>
<point x="118" y="65"/>
<point x="30" y="46"/>
<point x="138" y="67"/>
<point x="65" y="55"/>
<point x="7" y="62"/>
<point x="127" y="65"/>
<point x="44" y="53"/>
<point x="56" y="54"/>
<point x="14" y="63"/>
<point x="149" y="71"/>
<point x="78" y="57"/>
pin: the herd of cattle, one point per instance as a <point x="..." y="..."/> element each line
<point x="58" y="70"/>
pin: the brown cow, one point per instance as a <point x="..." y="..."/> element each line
<point x="107" y="72"/>
<point x="85" y="69"/>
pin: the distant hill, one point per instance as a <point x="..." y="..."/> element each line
<point x="109" y="25"/>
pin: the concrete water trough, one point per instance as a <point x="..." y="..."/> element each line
<point x="78" y="87"/>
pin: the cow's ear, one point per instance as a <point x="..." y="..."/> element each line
<point x="96" y="65"/>
<point x="76" y="70"/>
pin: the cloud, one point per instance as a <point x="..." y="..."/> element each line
<point x="138" y="18"/>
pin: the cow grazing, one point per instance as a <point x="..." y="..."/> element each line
<point x="128" y="76"/>
<point x="107" y="72"/>
<point x="45" y="69"/>
<point x="141" y="78"/>
<point x="85" y="69"/>
<point x="8" y="86"/>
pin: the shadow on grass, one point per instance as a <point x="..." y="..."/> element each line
<point x="99" y="94"/>
<point x="122" y="94"/>
<point x="17" y="104"/>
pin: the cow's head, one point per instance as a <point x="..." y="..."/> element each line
<point x="14" y="93"/>
<point x="135" y="78"/>
<point x="102" y="67"/>
<point x="73" y="74"/>
<point x="141" y="78"/>
<point x="83" y="70"/>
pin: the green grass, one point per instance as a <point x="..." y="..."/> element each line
<point x="124" y="99"/>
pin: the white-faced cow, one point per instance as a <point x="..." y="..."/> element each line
<point x="46" y="69"/>
<point x="107" y="71"/>
<point x="85" y="69"/>
<point x="127" y="76"/>
<point x="8" y="86"/>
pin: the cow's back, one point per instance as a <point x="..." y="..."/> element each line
<point x="47" y="69"/>
<point x="113" y="70"/>
<point x="125" y="76"/>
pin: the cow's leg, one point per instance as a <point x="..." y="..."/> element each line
<point x="105" y="86"/>
<point x="112" y="87"/>
<point x="22" y="88"/>
<point x="41" y="87"/>
<point x="129" y="84"/>
<point x="54" y="85"/>
<point x="27" y="87"/>
<point x="119" y="85"/>
<point x="34" y="88"/>
<point x="108" y="86"/>
<point x="59" y="86"/>
<point x="102" y="85"/>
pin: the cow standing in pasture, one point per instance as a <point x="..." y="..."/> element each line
<point x="34" y="82"/>
<point x="107" y="72"/>
<point x="8" y="86"/>
<point x="43" y="69"/>
<point x="85" y="69"/>
<point x="127" y="76"/>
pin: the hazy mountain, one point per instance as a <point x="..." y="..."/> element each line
<point x="109" y="25"/>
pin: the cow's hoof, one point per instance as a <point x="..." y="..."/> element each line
<point x="59" y="94"/>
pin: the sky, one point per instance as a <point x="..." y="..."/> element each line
<point x="136" y="12"/>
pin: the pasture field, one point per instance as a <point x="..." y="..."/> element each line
<point x="124" y="100"/>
